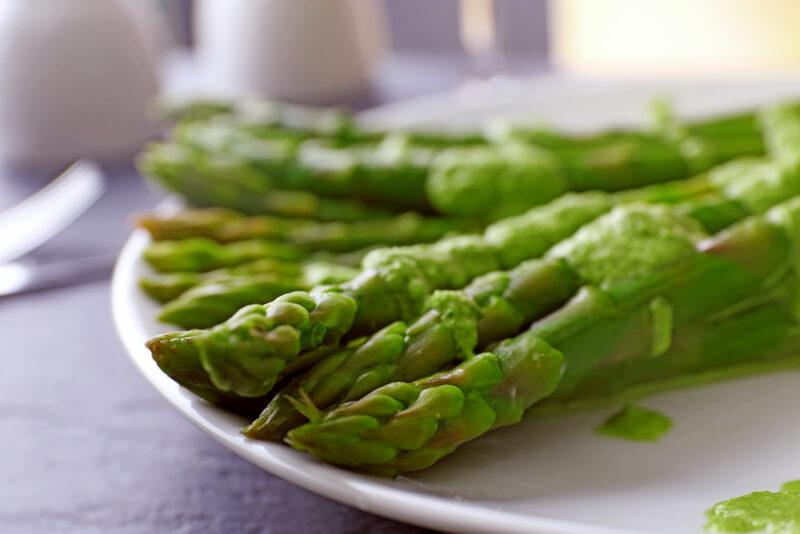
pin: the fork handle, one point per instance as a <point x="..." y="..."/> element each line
<point x="30" y="277"/>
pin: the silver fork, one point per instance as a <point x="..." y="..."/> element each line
<point x="48" y="211"/>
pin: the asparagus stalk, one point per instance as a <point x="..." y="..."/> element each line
<point x="403" y="174"/>
<point x="267" y="337"/>
<point x="214" y="300"/>
<point x="200" y="254"/>
<point x="391" y="172"/>
<point x="216" y="180"/>
<point x="169" y="286"/>
<point x="408" y="426"/>
<point x="225" y="226"/>
<point x="394" y="288"/>
<point x="220" y="224"/>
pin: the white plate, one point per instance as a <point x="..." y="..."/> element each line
<point x="544" y="475"/>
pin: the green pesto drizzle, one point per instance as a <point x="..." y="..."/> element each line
<point x="762" y="511"/>
<point x="792" y="486"/>
<point x="635" y="423"/>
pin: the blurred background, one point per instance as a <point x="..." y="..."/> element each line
<point x="80" y="78"/>
<point x="70" y="61"/>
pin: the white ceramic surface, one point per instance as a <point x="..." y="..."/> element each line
<point x="303" y="50"/>
<point x="549" y="475"/>
<point x="75" y="81"/>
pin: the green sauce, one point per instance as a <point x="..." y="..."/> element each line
<point x="791" y="487"/>
<point x="629" y="241"/>
<point x="531" y="234"/>
<point x="757" y="184"/>
<point x="459" y="314"/>
<point x="635" y="423"/>
<point x="762" y="511"/>
<point x="494" y="181"/>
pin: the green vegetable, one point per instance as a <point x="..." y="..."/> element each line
<point x="491" y="309"/>
<point x="235" y="166"/>
<point x="169" y="286"/>
<point x="266" y="338"/>
<point x="396" y="282"/>
<point x="744" y="275"/>
<point x="447" y="331"/>
<point x="225" y="226"/>
<point x="217" y="180"/>
<point x="216" y="299"/>
<point x="762" y="511"/>
<point x="494" y="182"/>
<point x="268" y="118"/>
<point x="635" y="423"/>
<point x="627" y="242"/>
<point x="200" y="254"/>
<point x="793" y="486"/>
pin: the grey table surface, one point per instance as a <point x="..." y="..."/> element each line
<point x="86" y="445"/>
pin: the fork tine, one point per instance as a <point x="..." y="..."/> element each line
<point x="44" y="214"/>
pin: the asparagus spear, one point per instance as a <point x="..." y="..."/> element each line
<point x="392" y="171"/>
<point x="408" y="426"/>
<point x="169" y="286"/>
<point x="217" y="298"/>
<point x="201" y="254"/>
<point x="266" y="336"/>
<point x="400" y="173"/>
<point x="225" y="226"/>
<point x="220" y="224"/>
<point x="219" y="180"/>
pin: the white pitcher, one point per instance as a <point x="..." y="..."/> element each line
<point x="308" y="51"/>
<point x="75" y="80"/>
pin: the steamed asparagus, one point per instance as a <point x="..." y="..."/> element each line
<point x="201" y="254"/>
<point x="489" y="310"/>
<point x="660" y="322"/>
<point x="401" y="173"/>
<point x="215" y="180"/>
<point x="214" y="300"/>
<point x="225" y="226"/>
<point x="508" y="301"/>
<point x="169" y="286"/>
<point x="397" y="281"/>
<point x="267" y="337"/>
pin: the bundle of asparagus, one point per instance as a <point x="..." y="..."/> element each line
<point x="224" y="225"/>
<point x="505" y="302"/>
<point x="223" y="163"/>
<point x="608" y="282"/>
<point x="397" y="282"/>
<point x="255" y="259"/>
<point x="731" y="302"/>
